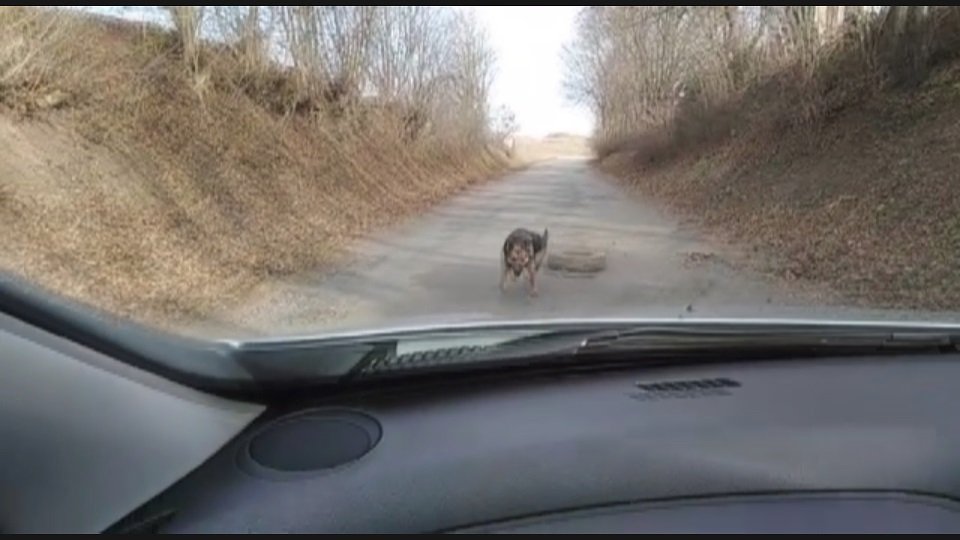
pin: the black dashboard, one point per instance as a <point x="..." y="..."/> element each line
<point x="820" y="445"/>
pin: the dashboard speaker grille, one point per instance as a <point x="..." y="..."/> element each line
<point x="313" y="441"/>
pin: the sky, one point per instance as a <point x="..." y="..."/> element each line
<point x="528" y="41"/>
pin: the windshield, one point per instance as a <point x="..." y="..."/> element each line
<point x="254" y="172"/>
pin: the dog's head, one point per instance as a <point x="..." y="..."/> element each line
<point x="518" y="254"/>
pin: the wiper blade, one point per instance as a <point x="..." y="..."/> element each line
<point x="653" y="343"/>
<point x="724" y="340"/>
<point x="715" y="338"/>
<point x="685" y="343"/>
<point x="708" y="335"/>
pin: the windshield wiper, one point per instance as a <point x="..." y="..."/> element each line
<point x="281" y="367"/>
<point x="681" y="340"/>
<point x="652" y="343"/>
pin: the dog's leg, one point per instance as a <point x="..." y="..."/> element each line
<point x="539" y="258"/>
<point x="503" y="272"/>
<point x="533" y="280"/>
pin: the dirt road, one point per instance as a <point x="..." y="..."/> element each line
<point x="443" y="266"/>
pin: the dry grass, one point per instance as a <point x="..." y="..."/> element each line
<point x="162" y="193"/>
<point x="801" y="91"/>
<point x="843" y="175"/>
<point x="534" y="149"/>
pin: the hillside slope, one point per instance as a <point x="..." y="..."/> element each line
<point x="135" y="185"/>
<point x="864" y="204"/>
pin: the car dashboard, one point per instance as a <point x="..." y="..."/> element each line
<point x="867" y="444"/>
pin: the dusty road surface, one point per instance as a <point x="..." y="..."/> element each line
<point x="443" y="266"/>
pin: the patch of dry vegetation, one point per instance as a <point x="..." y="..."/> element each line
<point x="160" y="175"/>
<point x="535" y="149"/>
<point x="825" y="138"/>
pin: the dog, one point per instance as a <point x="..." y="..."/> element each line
<point x="523" y="250"/>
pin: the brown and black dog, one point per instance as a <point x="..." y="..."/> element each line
<point x="523" y="250"/>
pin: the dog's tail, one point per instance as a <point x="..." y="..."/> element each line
<point x="545" y="234"/>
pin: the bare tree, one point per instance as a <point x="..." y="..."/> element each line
<point x="636" y="66"/>
<point x="248" y="30"/>
<point x="188" y="21"/>
<point x="411" y="59"/>
<point x="472" y="75"/>
<point x="411" y="50"/>
<point x="425" y="70"/>
<point x="329" y="47"/>
<point x="504" y="127"/>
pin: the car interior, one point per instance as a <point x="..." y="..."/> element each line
<point x="93" y="442"/>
